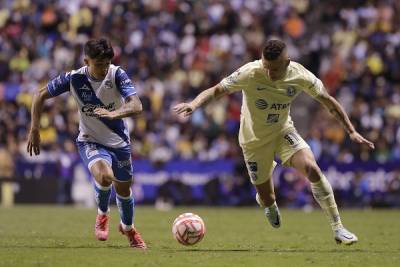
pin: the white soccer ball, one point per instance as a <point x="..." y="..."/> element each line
<point x="188" y="229"/>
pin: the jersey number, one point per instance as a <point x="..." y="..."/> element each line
<point x="292" y="138"/>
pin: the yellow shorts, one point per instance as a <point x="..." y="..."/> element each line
<point x="260" y="160"/>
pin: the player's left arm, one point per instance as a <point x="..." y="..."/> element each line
<point x="336" y="109"/>
<point x="131" y="107"/>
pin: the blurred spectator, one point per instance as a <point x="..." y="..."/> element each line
<point x="67" y="161"/>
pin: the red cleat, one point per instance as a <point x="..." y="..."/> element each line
<point x="101" y="227"/>
<point x="134" y="238"/>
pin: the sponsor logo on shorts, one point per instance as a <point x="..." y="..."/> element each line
<point x="252" y="166"/>
<point x="91" y="151"/>
<point x="123" y="163"/>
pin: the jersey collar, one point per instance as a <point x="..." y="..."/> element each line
<point x="90" y="77"/>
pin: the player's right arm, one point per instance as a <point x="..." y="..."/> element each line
<point x="235" y="82"/>
<point x="36" y="111"/>
<point x="55" y="87"/>
<point x="202" y="99"/>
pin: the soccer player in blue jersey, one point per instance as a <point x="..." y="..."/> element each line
<point x="104" y="95"/>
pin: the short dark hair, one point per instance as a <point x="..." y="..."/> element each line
<point x="99" y="49"/>
<point x="272" y="49"/>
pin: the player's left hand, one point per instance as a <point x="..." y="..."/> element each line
<point x="358" y="138"/>
<point x="104" y="113"/>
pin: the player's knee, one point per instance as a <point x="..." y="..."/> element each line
<point x="124" y="190"/>
<point x="105" y="178"/>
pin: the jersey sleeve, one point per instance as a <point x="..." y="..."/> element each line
<point x="124" y="84"/>
<point x="59" y="84"/>
<point x="236" y="81"/>
<point x="312" y="85"/>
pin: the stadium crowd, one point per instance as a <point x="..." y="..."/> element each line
<point x="173" y="49"/>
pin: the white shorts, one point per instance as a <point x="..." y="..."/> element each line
<point x="260" y="160"/>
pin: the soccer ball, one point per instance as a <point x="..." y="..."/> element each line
<point x="188" y="229"/>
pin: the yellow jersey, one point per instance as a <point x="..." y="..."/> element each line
<point x="265" y="111"/>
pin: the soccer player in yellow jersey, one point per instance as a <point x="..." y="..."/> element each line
<point x="269" y="86"/>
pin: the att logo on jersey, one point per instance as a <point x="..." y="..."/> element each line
<point x="88" y="109"/>
<point x="262" y="104"/>
<point x="278" y="106"/>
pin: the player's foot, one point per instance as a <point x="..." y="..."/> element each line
<point x="101" y="227"/>
<point x="134" y="238"/>
<point x="273" y="216"/>
<point x="345" y="237"/>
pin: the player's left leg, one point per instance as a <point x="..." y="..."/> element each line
<point x="303" y="160"/>
<point x="122" y="167"/>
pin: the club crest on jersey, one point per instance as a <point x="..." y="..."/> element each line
<point x="108" y="84"/>
<point x="290" y="91"/>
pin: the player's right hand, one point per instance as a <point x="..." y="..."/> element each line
<point x="185" y="109"/>
<point x="33" y="142"/>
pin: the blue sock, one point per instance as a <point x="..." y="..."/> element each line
<point x="102" y="194"/>
<point x="126" y="210"/>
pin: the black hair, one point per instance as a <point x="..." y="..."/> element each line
<point x="99" y="49"/>
<point x="272" y="49"/>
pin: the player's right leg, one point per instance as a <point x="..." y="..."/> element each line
<point x="98" y="161"/>
<point x="260" y="164"/>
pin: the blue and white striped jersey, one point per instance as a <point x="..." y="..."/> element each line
<point x="89" y="94"/>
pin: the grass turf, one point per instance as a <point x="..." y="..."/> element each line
<point x="63" y="236"/>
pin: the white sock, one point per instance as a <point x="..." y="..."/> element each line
<point x="100" y="212"/>
<point x="323" y="194"/>
<point x="126" y="227"/>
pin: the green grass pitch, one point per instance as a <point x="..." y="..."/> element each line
<point x="63" y="236"/>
